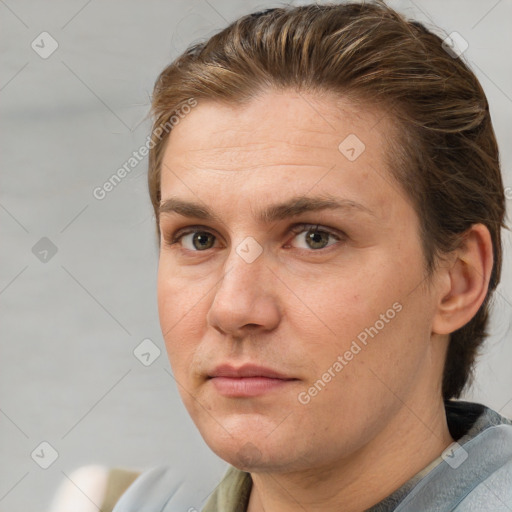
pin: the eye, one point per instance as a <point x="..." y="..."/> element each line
<point x="315" y="238"/>
<point x="194" y="239"/>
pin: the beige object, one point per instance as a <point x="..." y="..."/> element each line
<point x="92" y="488"/>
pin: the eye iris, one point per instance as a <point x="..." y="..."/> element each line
<point x="313" y="235"/>
<point x="202" y="238"/>
<point x="314" y="238"/>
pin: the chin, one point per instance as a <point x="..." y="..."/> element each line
<point x="255" y="453"/>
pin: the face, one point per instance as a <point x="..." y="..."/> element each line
<point x="330" y="298"/>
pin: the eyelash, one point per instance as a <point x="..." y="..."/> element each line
<point x="296" y="230"/>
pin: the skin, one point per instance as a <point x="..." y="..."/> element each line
<point x="297" y="307"/>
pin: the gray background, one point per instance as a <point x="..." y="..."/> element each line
<point x="70" y="324"/>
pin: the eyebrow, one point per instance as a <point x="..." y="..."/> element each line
<point x="291" y="208"/>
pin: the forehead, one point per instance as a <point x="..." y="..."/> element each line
<point x="281" y="144"/>
<point x="271" y="121"/>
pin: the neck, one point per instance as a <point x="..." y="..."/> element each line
<point x="415" y="437"/>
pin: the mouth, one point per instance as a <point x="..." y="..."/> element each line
<point x="248" y="380"/>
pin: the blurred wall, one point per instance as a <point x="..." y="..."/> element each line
<point x="77" y="282"/>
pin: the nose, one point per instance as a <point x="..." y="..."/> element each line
<point x="246" y="297"/>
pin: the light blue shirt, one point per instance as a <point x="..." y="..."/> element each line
<point x="474" y="475"/>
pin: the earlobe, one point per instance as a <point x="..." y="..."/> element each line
<point x="469" y="275"/>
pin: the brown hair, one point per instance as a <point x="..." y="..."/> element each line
<point x="445" y="154"/>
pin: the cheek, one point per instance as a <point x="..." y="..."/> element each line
<point x="368" y="313"/>
<point x="181" y="314"/>
<point x="348" y="300"/>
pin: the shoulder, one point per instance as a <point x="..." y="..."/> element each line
<point x="493" y="473"/>
<point x="474" y="474"/>
<point x="494" y="493"/>
<point x="169" y="488"/>
<point x="152" y="489"/>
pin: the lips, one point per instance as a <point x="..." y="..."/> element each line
<point x="247" y="370"/>
<point x="247" y="381"/>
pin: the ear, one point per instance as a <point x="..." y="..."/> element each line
<point x="466" y="281"/>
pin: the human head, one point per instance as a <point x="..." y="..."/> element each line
<point x="442" y="148"/>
